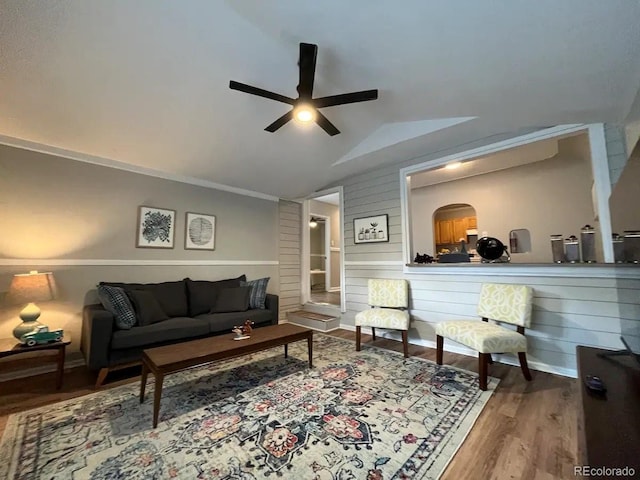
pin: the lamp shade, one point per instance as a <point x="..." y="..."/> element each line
<point x="31" y="287"/>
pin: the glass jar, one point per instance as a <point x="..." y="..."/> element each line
<point x="572" y="249"/>
<point x="588" y="242"/>
<point x="557" y="248"/>
<point x="632" y="246"/>
<point x="618" y="248"/>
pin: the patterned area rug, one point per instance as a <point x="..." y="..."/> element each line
<point x="356" y="415"/>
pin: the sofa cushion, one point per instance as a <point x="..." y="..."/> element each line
<point x="147" y="307"/>
<point x="203" y="293"/>
<point x="232" y="300"/>
<point x="179" y="328"/>
<point x="172" y="296"/>
<point x="224" y="322"/>
<point x="258" y="292"/>
<point x="115" y="301"/>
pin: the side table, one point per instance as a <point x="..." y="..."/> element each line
<point x="10" y="346"/>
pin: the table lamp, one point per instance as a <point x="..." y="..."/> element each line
<point x="29" y="288"/>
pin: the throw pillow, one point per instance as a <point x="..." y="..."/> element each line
<point x="258" y="292"/>
<point x="115" y="300"/>
<point x="203" y="293"/>
<point x="232" y="300"/>
<point x="172" y="296"/>
<point x="147" y="307"/>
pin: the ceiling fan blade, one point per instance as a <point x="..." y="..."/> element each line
<point x="307" y="66"/>
<point x="344" y="98"/>
<point x="280" y="122"/>
<point x="233" y="85"/>
<point x="326" y="125"/>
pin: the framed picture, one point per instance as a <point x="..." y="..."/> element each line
<point x="156" y="227"/>
<point x="199" y="231"/>
<point x="371" y="229"/>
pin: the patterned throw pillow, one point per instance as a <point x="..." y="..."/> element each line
<point x="115" y="300"/>
<point x="258" y="292"/>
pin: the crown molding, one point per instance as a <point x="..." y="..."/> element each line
<point x="119" y="165"/>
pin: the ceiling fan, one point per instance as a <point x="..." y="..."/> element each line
<point x="305" y="107"/>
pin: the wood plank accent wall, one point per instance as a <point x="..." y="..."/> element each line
<point x="289" y="251"/>
<point x="568" y="311"/>
<point x="616" y="150"/>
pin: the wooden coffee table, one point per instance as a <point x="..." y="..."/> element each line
<point x="172" y="358"/>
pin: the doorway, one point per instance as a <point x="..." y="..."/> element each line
<point x="322" y="250"/>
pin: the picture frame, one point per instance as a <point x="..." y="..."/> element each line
<point x="373" y="229"/>
<point x="156" y="227"/>
<point x="199" y="231"/>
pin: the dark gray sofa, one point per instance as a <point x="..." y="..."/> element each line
<point x="188" y="305"/>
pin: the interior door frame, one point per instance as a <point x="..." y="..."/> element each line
<point x="305" y="267"/>
<point x="327" y="250"/>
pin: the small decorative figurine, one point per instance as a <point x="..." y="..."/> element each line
<point x="244" y="331"/>
<point x="246" y="328"/>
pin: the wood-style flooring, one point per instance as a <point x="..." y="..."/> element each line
<point x="528" y="430"/>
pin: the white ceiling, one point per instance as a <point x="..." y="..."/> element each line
<point x="145" y="82"/>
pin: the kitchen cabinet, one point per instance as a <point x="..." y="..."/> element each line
<point x="451" y="231"/>
<point x="445" y="231"/>
<point x="459" y="229"/>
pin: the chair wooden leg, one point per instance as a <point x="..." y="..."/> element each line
<point x="373" y="333"/>
<point x="439" y="347"/>
<point x="490" y="359"/>
<point x="405" y="343"/>
<point x="524" y="366"/>
<point x="483" y="362"/>
<point x="358" y="334"/>
<point x="102" y="376"/>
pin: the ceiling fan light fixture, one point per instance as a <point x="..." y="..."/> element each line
<point x="304" y="113"/>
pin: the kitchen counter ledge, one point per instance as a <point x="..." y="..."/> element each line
<point x="592" y="270"/>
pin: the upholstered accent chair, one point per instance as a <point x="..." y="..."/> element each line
<point x="389" y="300"/>
<point x="502" y="303"/>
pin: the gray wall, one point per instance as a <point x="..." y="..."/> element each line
<point x="81" y="218"/>
<point x="546" y="197"/>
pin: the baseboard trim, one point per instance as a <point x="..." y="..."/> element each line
<point x="41" y="369"/>
<point x="539" y="366"/>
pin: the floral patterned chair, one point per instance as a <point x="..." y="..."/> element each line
<point x="389" y="300"/>
<point x="502" y="303"/>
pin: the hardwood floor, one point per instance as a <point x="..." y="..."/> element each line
<point x="528" y="430"/>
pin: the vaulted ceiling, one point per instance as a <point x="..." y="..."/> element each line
<point x="146" y="82"/>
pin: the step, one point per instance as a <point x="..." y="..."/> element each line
<point x="316" y="321"/>
<point x="323" y="308"/>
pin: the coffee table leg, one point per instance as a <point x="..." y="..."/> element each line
<point x="156" y="398"/>
<point x="310" y="347"/>
<point x="143" y="380"/>
<point x="61" y="352"/>
<point x="286" y="350"/>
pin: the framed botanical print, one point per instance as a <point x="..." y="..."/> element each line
<point x="199" y="231"/>
<point x="156" y="227"/>
<point x="371" y="229"/>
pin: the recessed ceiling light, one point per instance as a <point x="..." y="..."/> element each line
<point x="453" y="165"/>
